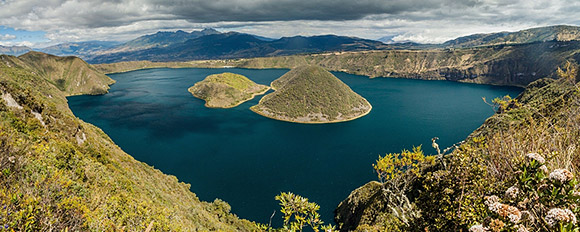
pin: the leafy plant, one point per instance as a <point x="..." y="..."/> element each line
<point x="503" y="104"/>
<point x="392" y="166"/>
<point x="536" y="200"/>
<point x="298" y="213"/>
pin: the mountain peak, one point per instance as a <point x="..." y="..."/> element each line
<point x="210" y="30"/>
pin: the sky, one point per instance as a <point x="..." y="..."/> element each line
<point x="39" y="23"/>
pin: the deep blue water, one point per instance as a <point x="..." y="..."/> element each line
<point x="246" y="159"/>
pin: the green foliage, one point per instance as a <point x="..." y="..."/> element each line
<point x="450" y="199"/>
<point x="310" y="94"/>
<point x="570" y="71"/>
<point x="393" y="165"/>
<point x="236" y="81"/>
<point x="503" y="104"/>
<point x="298" y="213"/>
<point x="226" y="90"/>
<point x="50" y="181"/>
<point x="536" y="200"/>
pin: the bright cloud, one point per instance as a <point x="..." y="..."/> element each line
<point x="7" y="37"/>
<point x="427" y="21"/>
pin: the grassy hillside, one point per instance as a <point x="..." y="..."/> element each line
<point x="226" y="90"/>
<point x="310" y="94"/>
<point x="59" y="173"/>
<point x="452" y="193"/>
<point x="70" y="74"/>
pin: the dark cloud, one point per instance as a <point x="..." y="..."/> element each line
<point x="417" y="20"/>
<point x="288" y="10"/>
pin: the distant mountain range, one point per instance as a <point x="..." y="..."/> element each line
<point x="80" y="49"/>
<point x="533" y="35"/>
<point x="212" y="44"/>
<point x="14" y="50"/>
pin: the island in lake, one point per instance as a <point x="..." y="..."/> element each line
<point x="226" y="90"/>
<point x="310" y="94"/>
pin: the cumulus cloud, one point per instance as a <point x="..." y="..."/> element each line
<point x="16" y="43"/>
<point x="417" y="20"/>
<point x="7" y="37"/>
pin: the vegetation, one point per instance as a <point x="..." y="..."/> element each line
<point x="498" y="159"/>
<point x="537" y="200"/>
<point x="517" y="64"/>
<point x="298" y="213"/>
<point x="310" y="94"/>
<point x="70" y="74"/>
<point x="127" y="66"/>
<point x="226" y="90"/>
<point x="58" y="173"/>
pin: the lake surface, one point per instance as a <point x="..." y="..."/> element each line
<point x="246" y="159"/>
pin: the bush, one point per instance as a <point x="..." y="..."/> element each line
<point x="535" y="201"/>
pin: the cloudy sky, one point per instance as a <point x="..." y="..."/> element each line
<point x="40" y="23"/>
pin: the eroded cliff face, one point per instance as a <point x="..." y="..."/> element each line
<point x="516" y="65"/>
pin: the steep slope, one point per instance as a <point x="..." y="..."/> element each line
<point x="70" y="74"/>
<point x="310" y="94"/>
<point x="544" y="119"/>
<point x="62" y="174"/>
<point x="226" y="90"/>
<point x="533" y="35"/>
<point x="516" y="65"/>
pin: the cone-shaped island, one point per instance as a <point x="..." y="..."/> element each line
<point x="310" y="94"/>
<point x="226" y="90"/>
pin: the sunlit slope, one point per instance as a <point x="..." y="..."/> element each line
<point x="226" y="90"/>
<point x="310" y="94"/>
<point x="60" y="173"/>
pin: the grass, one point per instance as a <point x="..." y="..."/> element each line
<point x="226" y="90"/>
<point x="52" y="181"/>
<point x="450" y="197"/>
<point x="236" y="81"/>
<point x="310" y="94"/>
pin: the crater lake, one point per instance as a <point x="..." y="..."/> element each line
<point x="246" y="159"/>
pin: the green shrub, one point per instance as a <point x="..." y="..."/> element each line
<point x="536" y="201"/>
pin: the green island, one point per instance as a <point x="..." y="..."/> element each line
<point x="310" y="94"/>
<point x="226" y="90"/>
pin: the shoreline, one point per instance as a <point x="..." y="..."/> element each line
<point x="325" y="122"/>
<point x="110" y="68"/>
<point x="237" y="104"/>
